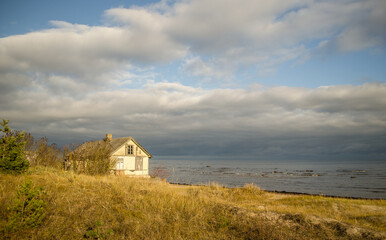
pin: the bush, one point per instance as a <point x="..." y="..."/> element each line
<point x="92" y="158"/>
<point x="27" y="210"/>
<point x="12" y="159"/>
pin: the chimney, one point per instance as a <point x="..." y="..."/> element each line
<point x="109" y="136"/>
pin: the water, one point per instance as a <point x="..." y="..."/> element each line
<point x="365" y="179"/>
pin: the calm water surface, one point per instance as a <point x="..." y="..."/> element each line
<point x="365" y="179"/>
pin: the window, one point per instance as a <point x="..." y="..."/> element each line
<point x="130" y="149"/>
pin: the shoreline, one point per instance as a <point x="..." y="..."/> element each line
<point x="286" y="192"/>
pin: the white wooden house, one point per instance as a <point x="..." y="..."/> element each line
<point x="130" y="157"/>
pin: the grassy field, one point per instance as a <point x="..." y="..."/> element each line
<point x="111" y="207"/>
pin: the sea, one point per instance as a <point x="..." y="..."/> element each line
<point x="355" y="179"/>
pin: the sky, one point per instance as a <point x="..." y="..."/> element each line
<point x="296" y="79"/>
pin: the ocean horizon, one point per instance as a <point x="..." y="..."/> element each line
<point x="341" y="178"/>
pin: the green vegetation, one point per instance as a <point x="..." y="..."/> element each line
<point x="19" y="150"/>
<point x="12" y="159"/>
<point x="27" y="209"/>
<point x="78" y="206"/>
<point x="92" y="159"/>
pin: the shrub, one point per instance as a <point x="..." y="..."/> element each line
<point x="27" y="210"/>
<point x="12" y="159"/>
<point x="92" y="159"/>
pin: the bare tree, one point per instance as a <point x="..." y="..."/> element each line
<point x="160" y="172"/>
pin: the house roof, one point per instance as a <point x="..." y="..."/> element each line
<point x="115" y="144"/>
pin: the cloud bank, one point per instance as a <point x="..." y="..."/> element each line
<point x="174" y="119"/>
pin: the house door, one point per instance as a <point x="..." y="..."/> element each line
<point x="139" y="163"/>
<point x="119" y="168"/>
<point x="120" y="165"/>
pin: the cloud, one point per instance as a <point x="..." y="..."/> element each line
<point x="85" y="52"/>
<point x="172" y="119"/>
<point x="209" y="70"/>
<point x="367" y="30"/>
<point x="229" y="33"/>
<point x="362" y="29"/>
<point x="250" y="28"/>
<point x="249" y="33"/>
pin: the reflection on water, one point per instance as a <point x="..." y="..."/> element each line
<point x="351" y="179"/>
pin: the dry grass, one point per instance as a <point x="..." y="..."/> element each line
<point x="112" y="207"/>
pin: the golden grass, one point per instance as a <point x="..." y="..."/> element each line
<point x="112" y="207"/>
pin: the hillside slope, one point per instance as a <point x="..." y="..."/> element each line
<point x="111" y="207"/>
